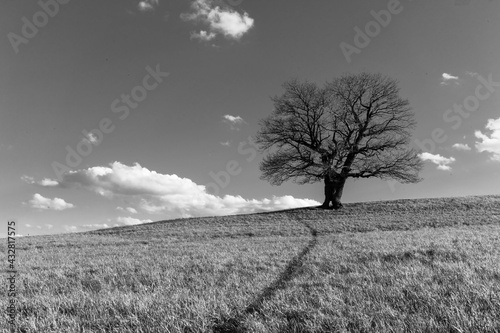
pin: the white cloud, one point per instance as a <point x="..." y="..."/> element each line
<point x="167" y="194"/>
<point x="203" y="35"/>
<point x="219" y="19"/>
<point x="131" y="221"/>
<point x="91" y="138"/>
<point x="40" y="202"/>
<point x="441" y="161"/>
<point x="49" y="226"/>
<point x="490" y="144"/>
<point x="127" y="209"/>
<point x="46" y="182"/>
<point x="71" y="228"/>
<point x="461" y="146"/>
<point x="147" y="5"/>
<point x="233" y="121"/>
<point x="28" y="179"/>
<point x="226" y="143"/>
<point x="95" y="226"/>
<point x="447" y="78"/>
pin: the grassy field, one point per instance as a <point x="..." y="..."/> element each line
<point x="429" y="265"/>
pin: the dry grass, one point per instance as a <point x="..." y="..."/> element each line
<point x="428" y="265"/>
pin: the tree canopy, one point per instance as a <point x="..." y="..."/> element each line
<point x="356" y="126"/>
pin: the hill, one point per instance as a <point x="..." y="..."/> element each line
<point x="427" y="265"/>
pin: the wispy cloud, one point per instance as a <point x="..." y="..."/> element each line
<point x="95" y="226"/>
<point x="168" y="194"/>
<point x="461" y="146"/>
<point x="91" y="138"/>
<point x="491" y="143"/>
<point x="473" y="74"/>
<point x="46" y="182"/>
<point x="443" y="163"/>
<point x="131" y="221"/>
<point x="226" y="143"/>
<point x="203" y="35"/>
<point x="70" y="228"/>
<point x="147" y="5"/>
<point x="233" y="121"/>
<point x="127" y="209"/>
<point x="28" y="179"/>
<point x="40" y="202"/>
<point x="218" y="19"/>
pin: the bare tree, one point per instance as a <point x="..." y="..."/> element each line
<point x="354" y="127"/>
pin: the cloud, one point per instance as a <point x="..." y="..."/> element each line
<point x="473" y="74"/>
<point x="461" y="146"/>
<point x="147" y="5"/>
<point x="91" y="138"/>
<point x="168" y="194"/>
<point x="40" y="202"/>
<point x="95" y="226"/>
<point x="127" y="209"/>
<point x="226" y="143"/>
<point x="46" y="182"/>
<point x="218" y="20"/>
<point x="447" y="78"/>
<point x="71" y="228"/>
<point x="490" y="144"/>
<point x="131" y="221"/>
<point x="203" y="35"/>
<point x="28" y="179"/>
<point x="233" y="121"/>
<point x="441" y="161"/>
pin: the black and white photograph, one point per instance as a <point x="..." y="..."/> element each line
<point x="234" y="166"/>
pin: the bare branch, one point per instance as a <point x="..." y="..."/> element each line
<point x="357" y="123"/>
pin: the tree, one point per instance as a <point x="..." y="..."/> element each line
<point x="354" y="127"/>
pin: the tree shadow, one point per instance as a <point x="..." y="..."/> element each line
<point x="234" y="324"/>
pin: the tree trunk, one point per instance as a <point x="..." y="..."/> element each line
<point x="329" y="191"/>
<point x="338" y="188"/>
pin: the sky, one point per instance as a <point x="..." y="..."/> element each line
<point x="123" y="112"/>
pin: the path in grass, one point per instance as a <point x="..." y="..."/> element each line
<point x="233" y="324"/>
